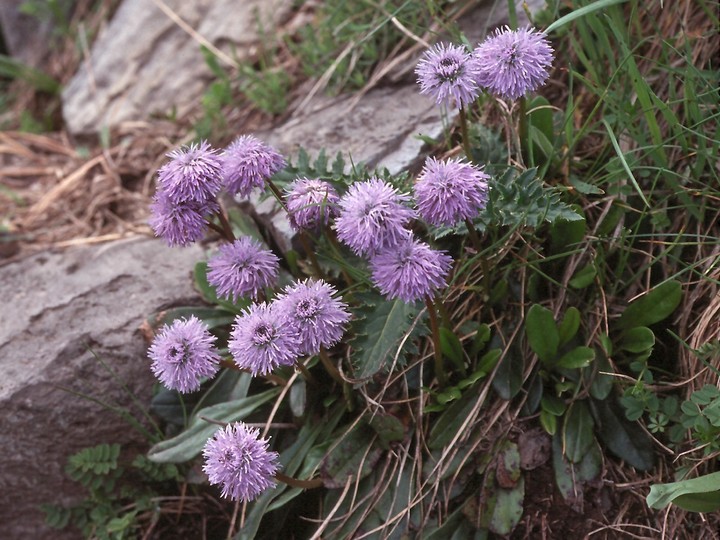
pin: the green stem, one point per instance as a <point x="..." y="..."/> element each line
<point x="512" y="15"/>
<point x="523" y="131"/>
<point x="311" y="254"/>
<point x="337" y="377"/>
<point x="278" y="194"/>
<point x="306" y="373"/>
<point x="465" y="135"/>
<point x="294" y="482"/>
<point x="437" y="352"/>
<point x="474" y="238"/>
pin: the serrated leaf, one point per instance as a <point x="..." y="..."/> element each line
<point x="653" y="307"/>
<point x="190" y="442"/>
<point x="516" y="200"/>
<point x="699" y="494"/>
<point x="542" y="333"/>
<point x="379" y="336"/>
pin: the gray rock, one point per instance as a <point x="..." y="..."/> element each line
<point x="28" y="38"/>
<point x="143" y="63"/>
<point x="57" y="305"/>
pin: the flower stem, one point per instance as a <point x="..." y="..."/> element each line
<point x="474" y="238"/>
<point x="465" y="134"/>
<point x="304" y="240"/>
<point x="278" y="194"/>
<point x="294" y="482"/>
<point x="225" y="223"/>
<point x="337" y="377"/>
<point x="306" y="373"/>
<point x="434" y="327"/>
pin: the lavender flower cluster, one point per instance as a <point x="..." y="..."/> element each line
<point x="508" y="64"/>
<point x="372" y="218"/>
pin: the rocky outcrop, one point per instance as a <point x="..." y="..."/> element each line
<point x="148" y="59"/>
<point x="61" y="309"/>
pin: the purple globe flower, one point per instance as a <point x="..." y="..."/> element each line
<point x="242" y="268"/>
<point x="179" y="223"/>
<point x="410" y="271"/>
<point x="311" y="203"/>
<point x="450" y="191"/>
<point x="513" y="62"/>
<point x="310" y="309"/>
<point x="192" y="174"/>
<point x="183" y="353"/>
<point x="372" y="215"/>
<point x="237" y="459"/>
<point x="261" y="340"/>
<point x="447" y="72"/>
<point x="247" y="163"/>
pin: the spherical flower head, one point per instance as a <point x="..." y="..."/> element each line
<point x="410" y="271"/>
<point x="260" y="340"/>
<point x="237" y="459"/>
<point x="183" y="354"/>
<point x="311" y="309"/>
<point x="513" y="62"/>
<point x="372" y="216"/>
<point x="192" y="174"/>
<point x="179" y="223"/>
<point x="450" y="191"/>
<point x="447" y="72"/>
<point x="311" y="203"/>
<point x="247" y="163"/>
<point x="242" y="268"/>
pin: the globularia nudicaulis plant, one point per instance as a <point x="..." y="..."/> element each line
<point x="348" y="349"/>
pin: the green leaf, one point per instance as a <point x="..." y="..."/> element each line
<point x="571" y="477"/>
<point x="548" y="422"/>
<point x="621" y="436"/>
<point x="190" y="442"/>
<point x="451" y="347"/>
<point x="448" y="424"/>
<point x="517" y="200"/>
<point x="388" y="427"/>
<point x="602" y="384"/>
<point x="653" y="307"/>
<point x="354" y="457"/>
<point x="508" y="378"/>
<point x="581" y="12"/>
<point x="577" y="431"/>
<point x="379" y="335"/>
<point x="508" y="508"/>
<point x="553" y="405"/>
<point x="579" y="357"/>
<point x="637" y="340"/>
<point x="583" y="277"/>
<point x="542" y="333"/>
<point x="569" y="326"/>
<point x="699" y="494"/>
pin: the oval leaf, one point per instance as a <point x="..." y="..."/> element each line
<point x="579" y="357"/>
<point x="637" y="340"/>
<point x="653" y="307"/>
<point x="541" y="332"/>
<point x="577" y="432"/>
<point x="569" y="325"/>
